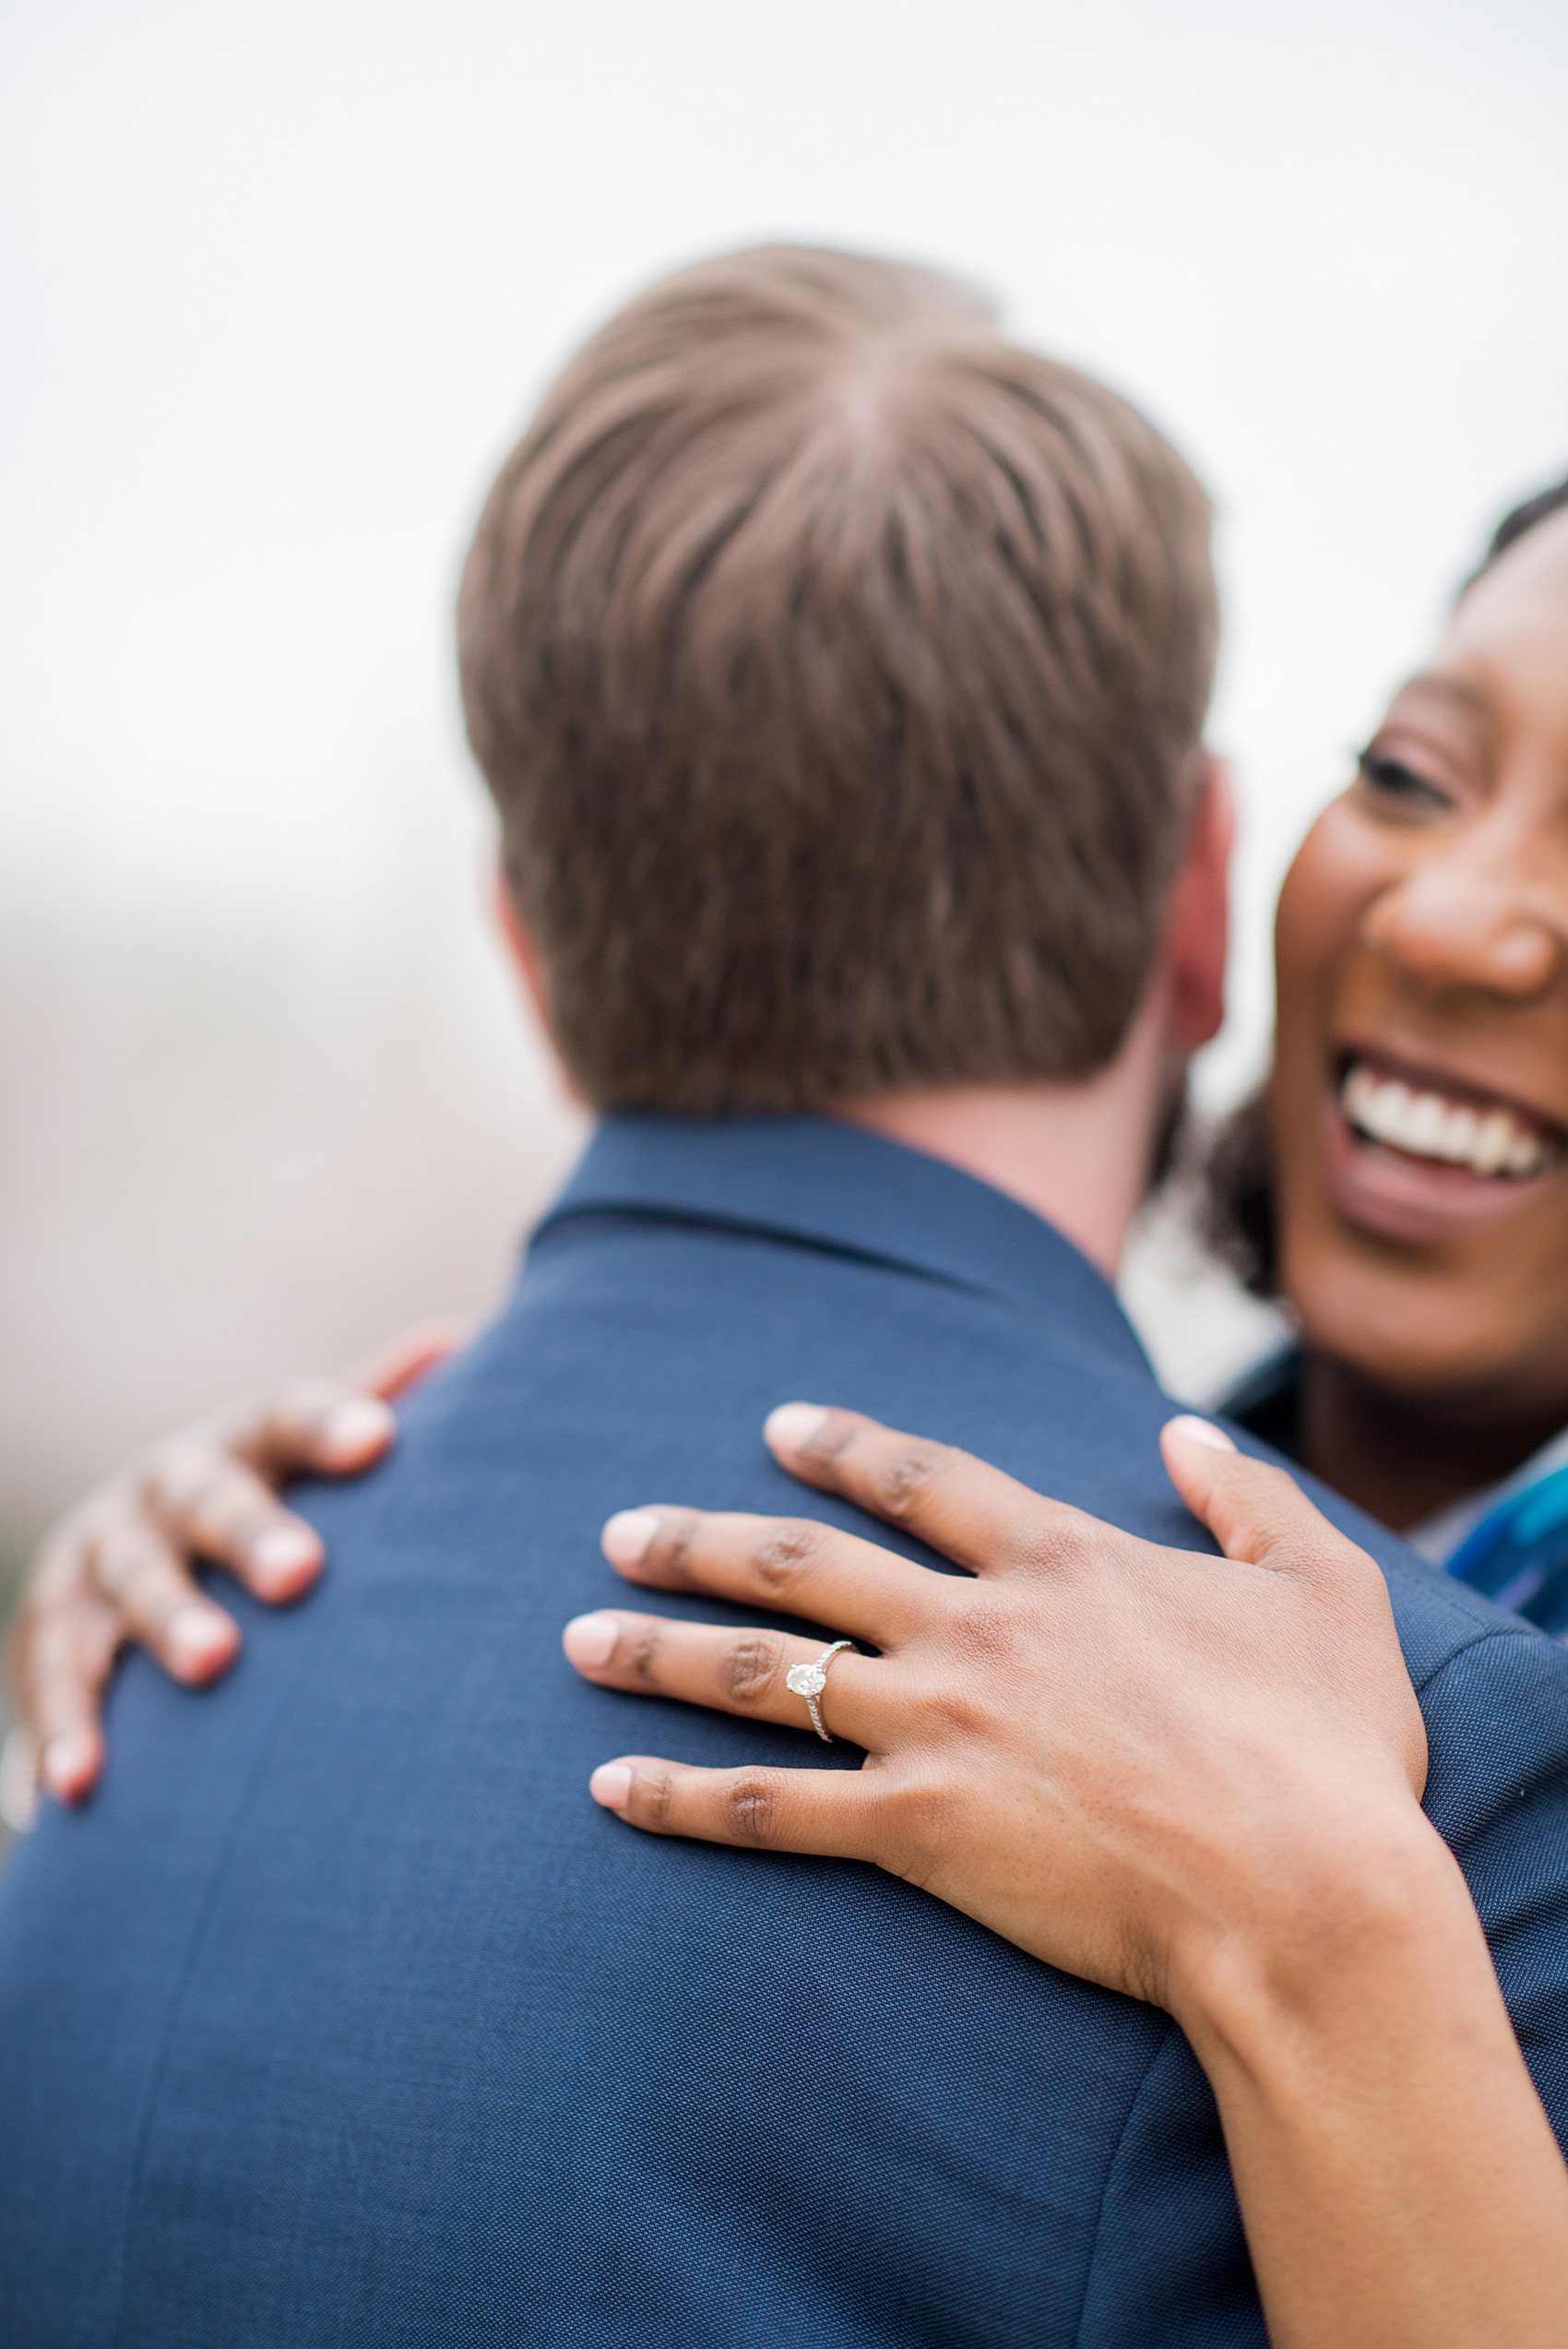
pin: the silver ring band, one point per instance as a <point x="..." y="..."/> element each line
<point x="809" y="1680"/>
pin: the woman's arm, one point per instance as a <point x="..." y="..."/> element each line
<point x="1398" y="2180"/>
<point x="1195" y="1780"/>
<point x="120" y="1569"/>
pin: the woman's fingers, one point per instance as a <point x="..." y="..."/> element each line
<point x="972" y="1513"/>
<point x="830" y="1812"/>
<point x="215" y="1491"/>
<point x="70" y="1652"/>
<point x="120" y="1568"/>
<point x="157" y="1601"/>
<point x="336" y="1426"/>
<point x="209" y="1504"/>
<point x="790" y="1566"/>
<point x="100" y="1583"/>
<point x="1260" y="1515"/>
<point x="322" y="1426"/>
<point x="743" y="1671"/>
<point x="407" y="1357"/>
<point x="1255" y="1512"/>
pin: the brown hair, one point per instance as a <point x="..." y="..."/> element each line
<point x="835" y="665"/>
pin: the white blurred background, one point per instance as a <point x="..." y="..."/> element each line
<point x="279" y="284"/>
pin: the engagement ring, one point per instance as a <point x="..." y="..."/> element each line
<point x="809" y="1680"/>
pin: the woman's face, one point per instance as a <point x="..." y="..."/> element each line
<point x="1419" y="1105"/>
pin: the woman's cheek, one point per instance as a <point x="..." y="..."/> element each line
<point x="1339" y="869"/>
<point x="1316" y="924"/>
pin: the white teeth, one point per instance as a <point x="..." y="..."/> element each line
<point x="1525" y="1157"/>
<point x="1460" y="1137"/>
<point x="1494" y="1141"/>
<point x="1358" y="1088"/>
<point x="1426" y="1124"/>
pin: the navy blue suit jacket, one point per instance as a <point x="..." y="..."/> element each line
<point x="342" y="2016"/>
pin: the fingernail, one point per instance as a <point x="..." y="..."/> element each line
<point x="197" y="1638"/>
<point x="67" y="1763"/>
<point x="1200" y="1431"/>
<point x="283" y="1557"/>
<point x="353" y="1428"/>
<point x="626" y="1536"/>
<point x="590" y="1639"/>
<point x="611" y="1785"/>
<point x="792" y="1425"/>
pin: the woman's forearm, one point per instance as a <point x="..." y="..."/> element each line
<point x="1399" y="2182"/>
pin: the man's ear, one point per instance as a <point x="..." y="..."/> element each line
<point x="1198" y="925"/>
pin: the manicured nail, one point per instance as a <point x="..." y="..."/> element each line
<point x="283" y="1558"/>
<point x="625" y="1538"/>
<point x="197" y="1638"/>
<point x="611" y="1785"/>
<point x="354" y="1428"/>
<point x="792" y="1425"/>
<point x="590" y="1639"/>
<point x="1200" y="1431"/>
<point x="67" y="1763"/>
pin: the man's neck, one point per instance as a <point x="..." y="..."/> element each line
<point x="1080" y="1155"/>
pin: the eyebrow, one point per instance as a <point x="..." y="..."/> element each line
<point x="1469" y="698"/>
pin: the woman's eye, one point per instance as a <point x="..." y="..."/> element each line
<point x="1392" y="780"/>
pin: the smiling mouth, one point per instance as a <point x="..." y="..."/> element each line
<point x="1475" y="1133"/>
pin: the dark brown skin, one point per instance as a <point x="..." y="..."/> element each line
<point x="1196" y="1780"/>
<point x="121" y="1570"/>
<point x="1175" y="1767"/>
<point x="1425" y="922"/>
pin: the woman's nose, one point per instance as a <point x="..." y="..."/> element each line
<point x="1447" y="927"/>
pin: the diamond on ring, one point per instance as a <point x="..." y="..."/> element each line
<point x="809" y="1680"/>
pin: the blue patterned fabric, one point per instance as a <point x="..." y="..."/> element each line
<point x="342" y="2016"/>
<point x="1518" y="1554"/>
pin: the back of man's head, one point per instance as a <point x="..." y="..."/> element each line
<point x="836" y="667"/>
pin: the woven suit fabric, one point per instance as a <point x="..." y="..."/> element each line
<point x="342" y="2016"/>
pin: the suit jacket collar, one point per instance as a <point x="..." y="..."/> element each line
<point x="816" y="1183"/>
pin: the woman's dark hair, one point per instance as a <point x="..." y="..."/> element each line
<point x="1235" y="1215"/>
<point x="1514" y="523"/>
<point x="1236" y="1199"/>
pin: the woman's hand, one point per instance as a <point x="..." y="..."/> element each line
<point x="1117" y="1755"/>
<point x="1192" y="1779"/>
<point x="121" y="1568"/>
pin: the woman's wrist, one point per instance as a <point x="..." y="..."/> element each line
<point x="1349" y="1911"/>
<point x="1397" y="2175"/>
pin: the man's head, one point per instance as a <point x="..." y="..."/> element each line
<point x="837" y="668"/>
